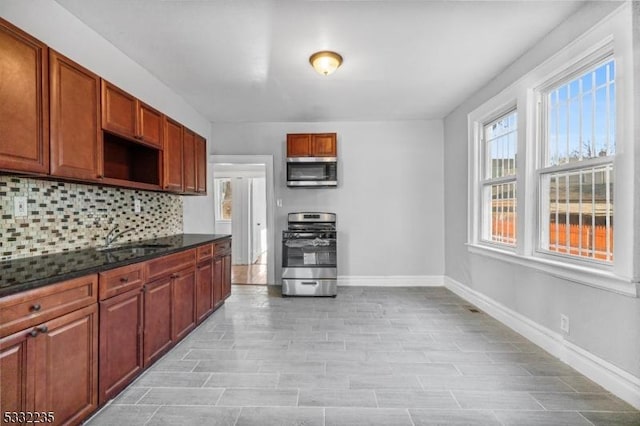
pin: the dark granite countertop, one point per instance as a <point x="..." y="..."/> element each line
<point x="32" y="272"/>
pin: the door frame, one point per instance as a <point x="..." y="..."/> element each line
<point x="267" y="161"/>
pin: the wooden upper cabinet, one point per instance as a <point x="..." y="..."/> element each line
<point x="76" y="139"/>
<point x="119" y="111"/>
<point x="201" y="164"/>
<point x="173" y="177"/>
<point x="189" y="169"/>
<point x="298" y="145"/>
<point x="24" y="108"/>
<point x="311" y="145"/>
<point x="127" y="116"/>
<point x="323" y="145"/>
<point x="150" y="125"/>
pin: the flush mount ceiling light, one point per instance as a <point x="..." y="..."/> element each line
<point x="325" y="62"/>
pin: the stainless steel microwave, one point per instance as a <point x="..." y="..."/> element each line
<point x="312" y="171"/>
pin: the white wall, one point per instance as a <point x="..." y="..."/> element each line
<point x="603" y="323"/>
<point x="389" y="200"/>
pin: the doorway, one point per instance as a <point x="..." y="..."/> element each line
<point x="241" y="196"/>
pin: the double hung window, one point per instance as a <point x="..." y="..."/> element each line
<point x="499" y="145"/>
<point x="553" y="164"/>
<point x="578" y="143"/>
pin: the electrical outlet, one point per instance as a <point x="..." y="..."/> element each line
<point x="564" y="323"/>
<point x="279" y="202"/>
<point x="20" y="206"/>
<point x="136" y="205"/>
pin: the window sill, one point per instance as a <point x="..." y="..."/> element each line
<point x="591" y="277"/>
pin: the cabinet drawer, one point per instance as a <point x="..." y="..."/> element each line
<point x="168" y="264"/>
<point x="121" y="280"/>
<point x="29" y="308"/>
<point x="222" y="248"/>
<point x="205" y="252"/>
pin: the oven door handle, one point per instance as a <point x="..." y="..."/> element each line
<point x="306" y="235"/>
<point x="309" y="282"/>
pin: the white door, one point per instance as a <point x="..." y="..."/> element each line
<point x="239" y="221"/>
<point x="258" y="218"/>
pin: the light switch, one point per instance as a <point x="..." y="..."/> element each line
<point x="19" y="206"/>
<point x="136" y="205"/>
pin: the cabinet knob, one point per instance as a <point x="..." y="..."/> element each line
<point x="43" y="329"/>
<point x="124" y="279"/>
<point x="36" y="307"/>
<point x="33" y="333"/>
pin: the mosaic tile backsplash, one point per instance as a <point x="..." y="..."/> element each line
<point x="66" y="216"/>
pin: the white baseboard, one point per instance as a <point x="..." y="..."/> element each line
<point x="391" y="280"/>
<point x="617" y="381"/>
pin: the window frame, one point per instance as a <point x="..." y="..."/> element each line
<point x="485" y="183"/>
<point x="612" y="35"/>
<point x="590" y="61"/>
<point x="218" y="199"/>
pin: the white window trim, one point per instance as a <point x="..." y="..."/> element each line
<point x="598" y="55"/>
<point x="623" y="277"/>
<point x="485" y="181"/>
<point x="217" y="210"/>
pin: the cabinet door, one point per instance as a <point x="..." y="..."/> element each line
<point x="172" y="155"/>
<point x="66" y="365"/>
<point x="184" y="310"/>
<point x="298" y="145"/>
<point x="76" y="139"/>
<point x="149" y="125"/>
<point x="24" y="85"/>
<point x="119" y="111"/>
<point x="226" y="276"/>
<point x="201" y="164"/>
<point x="323" y="145"/>
<point x="189" y="149"/>
<point x="157" y="319"/>
<point x="218" y="269"/>
<point x="120" y="342"/>
<point x="204" y="290"/>
<point x="16" y="366"/>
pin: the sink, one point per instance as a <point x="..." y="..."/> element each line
<point x="132" y="247"/>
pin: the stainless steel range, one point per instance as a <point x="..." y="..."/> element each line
<point x="309" y="261"/>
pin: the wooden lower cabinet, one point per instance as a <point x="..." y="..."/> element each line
<point x="71" y="363"/>
<point x="226" y="276"/>
<point x="157" y="319"/>
<point x="184" y="303"/>
<point x="204" y="290"/>
<point x="218" y="269"/>
<point x="53" y="367"/>
<point x="121" y="321"/>
<point x="17" y="355"/>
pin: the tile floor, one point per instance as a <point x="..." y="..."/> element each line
<point x="372" y="356"/>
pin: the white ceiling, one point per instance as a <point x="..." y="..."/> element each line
<point x="238" y="61"/>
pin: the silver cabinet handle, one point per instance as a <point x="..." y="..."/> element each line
<point x="309" y="282"/>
